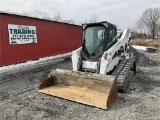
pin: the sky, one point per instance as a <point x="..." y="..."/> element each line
<point x="123" y="13"/>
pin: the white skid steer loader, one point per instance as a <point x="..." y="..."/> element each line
<point x="101" y="67"/>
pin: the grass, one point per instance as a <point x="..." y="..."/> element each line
<point x="153" y="43"/>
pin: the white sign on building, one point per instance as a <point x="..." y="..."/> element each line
<point x="20" y="34"/>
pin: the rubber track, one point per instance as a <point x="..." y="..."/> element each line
<point x="124" y="74"/>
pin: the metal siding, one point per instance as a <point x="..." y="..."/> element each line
<point x="53" y="38"/>
<point x="0" y="42"/>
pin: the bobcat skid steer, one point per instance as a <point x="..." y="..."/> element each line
<point x="101" y="67"/>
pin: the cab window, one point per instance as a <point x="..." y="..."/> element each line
<point x="111" y="39"/>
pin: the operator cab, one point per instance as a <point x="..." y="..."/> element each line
<point x="97" y="38"/>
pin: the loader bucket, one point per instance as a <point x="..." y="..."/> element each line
<point x="86" y="88"/>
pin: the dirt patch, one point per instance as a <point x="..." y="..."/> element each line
<point x="20" y="99"/>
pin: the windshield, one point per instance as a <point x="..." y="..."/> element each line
<point x="94" y="37"/>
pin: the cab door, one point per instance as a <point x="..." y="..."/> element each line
<point x="111" y="40"/>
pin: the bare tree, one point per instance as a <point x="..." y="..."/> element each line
<point x="71" y="21"/>
<point x="150" y="20"/>
<point x="37" y="14"/>
<point x="141" y="32"/>
<point x="44" y="15"/>
<point x="139" y="26"/>
<point x="91" y="19"/>
<point x="57" y="17"/>
<point x="27" y="13"/>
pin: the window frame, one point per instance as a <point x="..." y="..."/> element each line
<point x="110" y="43"/>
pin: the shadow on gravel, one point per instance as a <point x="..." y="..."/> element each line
<point x="45" y="68"/>
<point x="124" y="101"/>
<point x="143" y="60"/>
<point x="146" y="84"/>
<point x="145" y="79"/>
<point x="141" y="86"/>
<point x="3" y="95"/>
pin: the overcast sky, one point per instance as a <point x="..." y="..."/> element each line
<point x="123" y="13"/>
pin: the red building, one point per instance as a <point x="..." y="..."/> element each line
<point x="24" y="38"/>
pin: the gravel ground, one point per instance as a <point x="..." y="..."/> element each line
<point x="20" y="99"/>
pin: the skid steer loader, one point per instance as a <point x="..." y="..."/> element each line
<point x="101" y="67"/>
